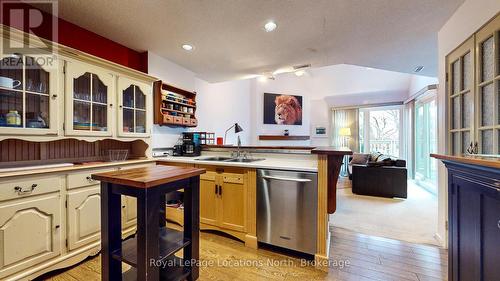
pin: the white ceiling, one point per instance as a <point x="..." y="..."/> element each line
<point x="230" y="42"/>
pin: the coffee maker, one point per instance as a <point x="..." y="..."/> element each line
<point x="191" y="144"/>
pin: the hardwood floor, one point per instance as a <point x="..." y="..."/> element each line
<point x="354" y="256"/>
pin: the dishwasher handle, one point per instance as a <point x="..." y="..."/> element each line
<point x="285" y="179"/>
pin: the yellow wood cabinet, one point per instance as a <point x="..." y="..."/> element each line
<point x="226" y="194"/>
<point x="84" y="216"/>
<point x="30" y="229"/>
<point x="227" y="201"/>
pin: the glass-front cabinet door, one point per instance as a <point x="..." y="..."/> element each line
<point x="134" y="108"/>
<point x="488" y="87"/>
<point x="460" y="92"/>
<point x="89" y="100"/>
<point x="29" y="94"/>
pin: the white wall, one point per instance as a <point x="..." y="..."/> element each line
<point x="174" y="74"/>
<point x="220" y="105"/>
<point x="468" y="18"/>
<point x="323" y="88"/>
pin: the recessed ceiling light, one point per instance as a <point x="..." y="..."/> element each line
<point x="187" y="47"/>
<point x="270" y="26"/>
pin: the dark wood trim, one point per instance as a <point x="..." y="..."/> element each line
<point x="284" y="138"/>
<point x="330" y="150"/>
<point x="473" y="160"/>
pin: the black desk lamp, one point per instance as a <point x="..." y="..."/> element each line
<point x="237" y="129"/>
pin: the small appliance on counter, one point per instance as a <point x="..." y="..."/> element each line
<point x="162" y="152"/>
<point x="191" y="145"/>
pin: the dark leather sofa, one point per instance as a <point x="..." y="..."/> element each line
<point x="382" y="176"/>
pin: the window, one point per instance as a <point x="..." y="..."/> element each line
<point x="380" y="130"/>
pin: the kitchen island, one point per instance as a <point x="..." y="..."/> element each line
<point x="241" y="181"/>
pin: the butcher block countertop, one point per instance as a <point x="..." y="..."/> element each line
<point x="472" y="160"/>
<point x="37" y="170"/>
<point x="147" y="177"/>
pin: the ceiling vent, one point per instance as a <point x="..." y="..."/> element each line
<point x="301" y="66"/>
<point x="418" y="68"/>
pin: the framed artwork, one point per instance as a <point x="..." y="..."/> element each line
<point x="319" y="131"/>
<point x="282" y="109"/>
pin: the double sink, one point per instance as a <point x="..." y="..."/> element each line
<point x="229" y="159"/>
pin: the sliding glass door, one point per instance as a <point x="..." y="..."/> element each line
<point x="381" y="130"/>
<point x="426" y="143"/>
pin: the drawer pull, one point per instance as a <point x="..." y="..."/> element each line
<point x="90" y="179"/>
<point x="20" y="190"/>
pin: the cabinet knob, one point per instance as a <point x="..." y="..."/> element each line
<point x="57" y="226"/>
<point x="110" y="105"/>
<point x="54" y="96"/>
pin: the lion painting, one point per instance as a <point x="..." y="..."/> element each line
<point x="288" y="110"/>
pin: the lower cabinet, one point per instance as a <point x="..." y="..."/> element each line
<point x="30" y="229"/>
<point x="224" y="200"/>
<point x="129" y="213"/>
<point x="474" y="222"/>
<point x="84" y="216"/>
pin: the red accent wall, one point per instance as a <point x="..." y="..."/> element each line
<point x="76" y="37"/>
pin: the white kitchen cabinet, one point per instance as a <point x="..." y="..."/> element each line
<point x="90" y="93"/>
<point x="29" y="94"/>
<point x="135" y="102"/>
<point x="129" y="213"/>
<point x="84" y="216"/>
<point x="30" y="229"/>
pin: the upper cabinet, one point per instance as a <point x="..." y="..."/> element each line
<point x="89" y="100"/>
<point x="134" y="98"/>
<point x="29" y="94"/>
<point x="473" y="91"/>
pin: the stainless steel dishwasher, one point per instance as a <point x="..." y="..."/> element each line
<point x="286" y="209"/>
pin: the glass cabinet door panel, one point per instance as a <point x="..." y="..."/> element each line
<point x="456" y="78"/>
<point x="456" y="143"/>
<point x="487" y="105"/>
<point x="467" y="71"/>
<point x="99" y="90"/>
<point x="140" y="98"/>
<point x="37" y="79"/>
<point x="128" y="120"/>
<point x="467" y="109"/>
<point x="99" y="117"/>
<point x="487" y="141"/>
<point x="37" y="111"/>
<point x="466" y="141"/>
<point x="81" y="87"/>
<point x="128" y="97"/>
<point x="487" y="59"/>
<point x="456" y="113"/>
<point x="11" y="108"/>
<point x="11" y="72"/>
<point x="81" y="115"/>
<point x="140" y="121"/>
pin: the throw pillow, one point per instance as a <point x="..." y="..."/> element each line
<point x="360" y="158"/>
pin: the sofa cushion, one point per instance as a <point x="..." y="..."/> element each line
<point x="360" y="158"/>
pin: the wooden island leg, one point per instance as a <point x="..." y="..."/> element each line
<point x="111" y="233"/>
<point x="148" y="248"/>
<point x="192" y="225"/>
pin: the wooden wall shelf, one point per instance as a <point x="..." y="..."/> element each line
<point x="282" y="138"/>
<point x="174" y="106"/>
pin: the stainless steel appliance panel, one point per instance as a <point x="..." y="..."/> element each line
<point x="287" y="208"/>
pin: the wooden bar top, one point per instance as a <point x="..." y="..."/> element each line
<point x="147" y="177"/>
<point x="330" y="150"/>
<point x="473" y="160"/>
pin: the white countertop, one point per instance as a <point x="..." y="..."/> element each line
<point x="306" y="163"/>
